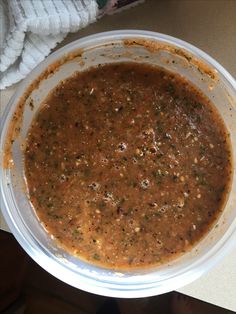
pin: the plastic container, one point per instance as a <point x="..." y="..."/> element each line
<point x="125" y="45"/>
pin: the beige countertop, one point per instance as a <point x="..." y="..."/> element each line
<point x="211" y="26"/>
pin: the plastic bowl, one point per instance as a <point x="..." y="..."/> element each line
<point x="126" y="45"/>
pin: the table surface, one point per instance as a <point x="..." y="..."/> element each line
<point x="211" y="26"/>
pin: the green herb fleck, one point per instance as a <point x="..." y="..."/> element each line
<point x="158" y="176"/>
<point x="53" y="215"/>
<point x="96" y="257"/>
<point x="146" y="217"/>
<point x="101" y="205"/>
<point x="170" y="89"/>
<point x="75" y="232"/>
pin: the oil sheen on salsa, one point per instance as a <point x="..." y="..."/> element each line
<point x="127" y="165"/>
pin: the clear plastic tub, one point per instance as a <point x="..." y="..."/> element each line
<point x="126" y="45"/>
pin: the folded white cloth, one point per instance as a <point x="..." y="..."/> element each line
<point x="31" y="28"/>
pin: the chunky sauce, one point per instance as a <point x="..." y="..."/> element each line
<point x="127" y="165"/>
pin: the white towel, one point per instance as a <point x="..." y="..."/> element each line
<point x="29" y="29"/>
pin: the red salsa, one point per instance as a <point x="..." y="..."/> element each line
<point x="127" y="165"/>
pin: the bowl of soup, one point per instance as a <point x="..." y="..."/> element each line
<point x="118" y="163"/>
